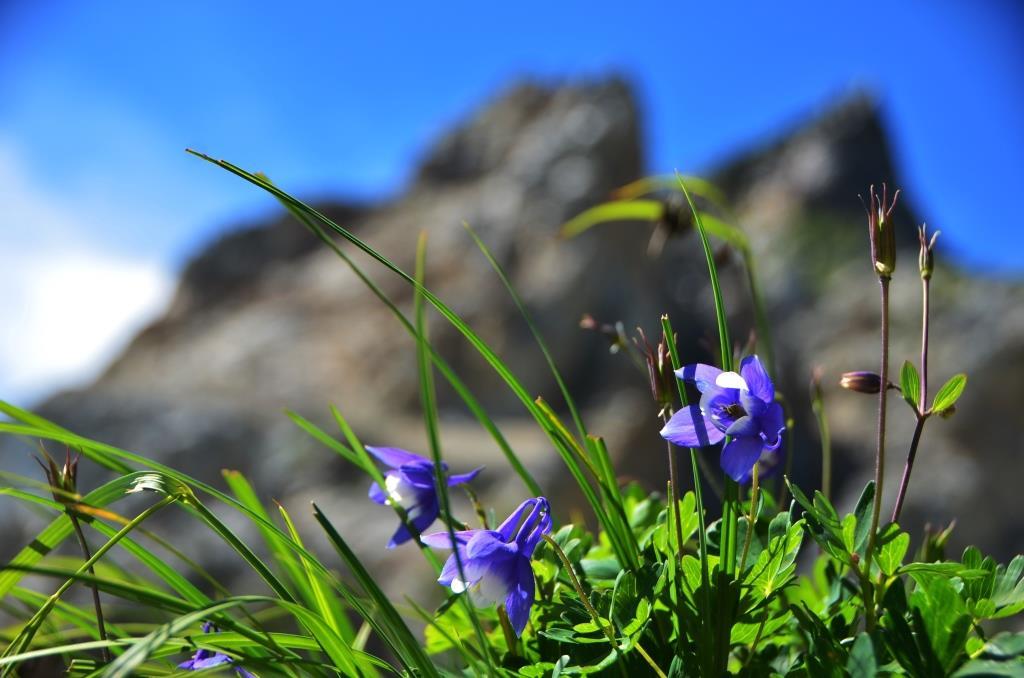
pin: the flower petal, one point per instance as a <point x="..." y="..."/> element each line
<point x="485" y="544"/>
<point x="421" y="517"/>
<point x="758" y="381"/>
<point x="461" y="478"/>
<point x="699" y="374"/>
<point x="520" y="597"/>
<point x="689" y="428"/>
<point x="739" y="456"/>
<point x="395" y="457"/>
<point x="773" y="424"/>
<point x="377" y="493"/>
<point x="731" y="380"/>
<point x="420" y="474"/>
<point x="508" y="528"/>
<point x="442" y="540"/>
<point x="539" y="524"/>
<point x="216" y="660"/>
<point x="744" y="427"/>
<point x="751" y="404"/>
<point x="421" y="520"/>
<point x="450" y="573"/>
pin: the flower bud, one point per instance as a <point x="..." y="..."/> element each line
<point x="659" y="368"/>
<point x="925" y="257"/>
<point x="880" y="231"/>
<point x="63" y="480"/>
<point x="861" y="382"/>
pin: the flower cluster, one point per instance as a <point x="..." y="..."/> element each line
<point x="740" y="406"/>
<point x="494" y="565"/>
<point x="410" y="483"/>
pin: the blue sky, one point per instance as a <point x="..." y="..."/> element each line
<point x="99" y="99"/>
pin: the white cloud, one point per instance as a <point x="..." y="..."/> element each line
<point x="66" y="305"/>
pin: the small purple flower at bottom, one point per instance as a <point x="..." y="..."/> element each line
<point x="207" y="659"/>
<point x="739" y="405"/>
<point x="496" y="563"/>
<point x="409" y="483"/>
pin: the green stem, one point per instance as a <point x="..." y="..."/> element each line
<point x="510" y="635"/>
<point x="100" y="627"/>
<point x="818" y="406"/>
<point x="922" y="403"/>
<point x="751" y="521"/>
<point x="880" y="454"/>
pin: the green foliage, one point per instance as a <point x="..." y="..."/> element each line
<point x="949" y="393"/>
<point x="910" y="383"/>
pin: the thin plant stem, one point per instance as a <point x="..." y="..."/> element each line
<point x="757" y="637"/>
<point x="506" y="629"/>
<point x="100" y="627"/>
<point x="751" y="520"/>
<point x="677" y="560"/>
<point x="606" y="628"/>
<point x="905" y="480"/>
<point x="876" y="511"/>
<point x="922" y="402"/>
<point x="673" y="352"/>
<point x="818" y="406"/>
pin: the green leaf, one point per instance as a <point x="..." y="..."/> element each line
<point x="949" y="393"/>
<point x="862" y="662"/>
<point x="623" y="210"/>
<point x="910" y="383"/>
<point x="863" y="514"/>
<point x="892" y="550"/>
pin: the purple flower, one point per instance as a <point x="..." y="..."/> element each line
<point x="496" y="563"/>
<point x="410" y="484"/>
<point x="741" y="406"/>
<point x="207" y="659"/>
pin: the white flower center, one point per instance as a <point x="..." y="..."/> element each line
<point x="731" y="380"/>
<point x="399" y="492"/>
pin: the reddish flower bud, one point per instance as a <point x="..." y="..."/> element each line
<point x="861" y="382"/>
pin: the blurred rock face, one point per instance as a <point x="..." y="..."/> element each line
<point x="268" y="319"/>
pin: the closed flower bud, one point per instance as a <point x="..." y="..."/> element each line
<point x="880" y="231"/>
<point x="659" y="368"/>
<point x="63" y="480"/>
<point x="925" y="256"/>
<point x="861" y="382"/>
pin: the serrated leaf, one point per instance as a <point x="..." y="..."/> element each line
<point x="910" y="383"/>
<point x="949" y="393"/>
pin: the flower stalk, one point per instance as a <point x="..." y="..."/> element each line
<point x="926" y="264"/>
<point x="64" y="487"/>
<point x="883" y="254"/>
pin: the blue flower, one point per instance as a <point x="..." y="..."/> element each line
<point x="496" y="563"/>
<point x="410" y="484"/>
<point x="207" y="659"/>
<point x="739" y="405"/>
